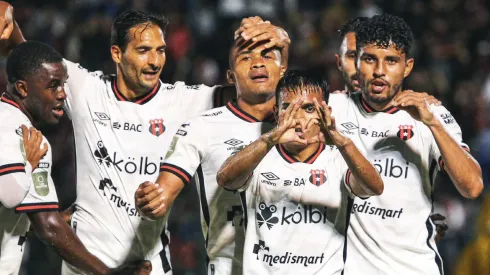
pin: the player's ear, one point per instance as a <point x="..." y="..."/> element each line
<point x="283" y="70"/>
<point x="230" y="76"/>
<point x="21" y="88"/>
<point x="408" y="67"/>
<point x="337" y="61"/>
<point x="116" y="53"/>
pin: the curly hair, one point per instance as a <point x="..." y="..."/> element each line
<point x="382" y="29"/>
<point x="351" y="26"/>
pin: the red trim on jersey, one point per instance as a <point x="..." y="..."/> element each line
<point x="290" y="159"/>
<point x="12" y="168"/>
<point x="347" y="178"/>
<point x="138" y="100"/>
<point x="233" y="107"/>
<point x="369" y="109"/>
<point x="8" y="101"/>
<point x="177" y="171"/>
<point x="35" y="207"/>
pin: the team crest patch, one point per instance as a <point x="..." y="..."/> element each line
<point x="40" y="181"/>
<point x="156" y="127"/>
<point x="405" y="132"/>
<point x="318" y="177"/>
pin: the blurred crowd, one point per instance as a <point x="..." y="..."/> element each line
<point x="452" y="62"/>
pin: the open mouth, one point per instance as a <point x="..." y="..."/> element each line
<point x="150" y="74"/>
<point x="299" y="132"/>
<point x="58" y="111"/>
<point x="259" y="77"/>
<point x="378" y="85"/>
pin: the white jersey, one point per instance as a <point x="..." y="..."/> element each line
<point x="286" y="213"/>
<point x="199" y="148"/>
<point x="41" y="196"/>
<point x="121" y="144"/>
<point x="391" y="233"/>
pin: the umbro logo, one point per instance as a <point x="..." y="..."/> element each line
<point x="233" y="142"/>
<point x="102" y="116"/>
<point x="349" y="126"/>
<point x="269" y="176"/>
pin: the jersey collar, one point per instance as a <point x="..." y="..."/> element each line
<point x="142" y="99"/>
<point x="369" y="109"/>
<point x="10" y="102"/>
<point x="290" y="159"/>
<point x="233" y="107"/>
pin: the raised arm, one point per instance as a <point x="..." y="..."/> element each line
<point x="11" y="34"/>
<point x="462" y="168"/>
<point x="234" y="173"/>
<point x="363" y="179"/>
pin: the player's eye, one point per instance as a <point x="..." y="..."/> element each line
<point x="391" y="61"/>
<point x="245" y="58"/>
<point x="310" y="109"/>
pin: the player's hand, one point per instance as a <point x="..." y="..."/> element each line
<point x="32" y="145"/>
<point x="149" y="200"/>
<point x="285" y="131"/>
<point x="328" y="128"/>
<point x="261" y="32"/>
<point x="133" y="268"/>
<point x="417" y="105"/>
<point x="441" y="225"/>
<point x="6" y="20"/>
<point x="248" y="22"/>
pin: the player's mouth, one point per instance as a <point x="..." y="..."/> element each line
<point x="58" y="110"/>
<point x="259" y="76"/>
<point x="378" y="86"/>
<point x="150" y="75"/>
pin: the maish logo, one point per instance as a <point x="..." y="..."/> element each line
<point x="40" y="181"/>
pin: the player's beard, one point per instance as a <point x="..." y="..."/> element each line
<point x="381" y="100"/>
<point x="348" y="79"/>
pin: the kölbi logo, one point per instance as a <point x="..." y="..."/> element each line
<point x="265" y="215"/>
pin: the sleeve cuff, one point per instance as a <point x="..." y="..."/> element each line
<point x="12" y="168"/>
<point x="37" y="207"/>
<point x="177" y="171"/>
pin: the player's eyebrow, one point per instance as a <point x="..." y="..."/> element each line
<point x="244" y="52"/>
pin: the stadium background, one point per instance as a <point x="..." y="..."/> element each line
<point x="452" y="56"/>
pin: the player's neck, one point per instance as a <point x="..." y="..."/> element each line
<point x="125" y="88"/>
<point x="378" y="106"/>
<point x="19" y="103"/>
<point x="258" y="110"/>
<point x="303" y="154"/>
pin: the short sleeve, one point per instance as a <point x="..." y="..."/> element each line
<point x="14" y="179"/>
<point x="78" y="77"/>
<point x="200" y="97"/>
<point x="343" y="172"/>
<point x="186" y="151"/>
<point x="452" y="128"/>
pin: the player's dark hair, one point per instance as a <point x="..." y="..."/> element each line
<point x="382" y="29"/>
<point x="351" y="26"/>
<point x="300" y="80"/>
<point x="27" y="58"/>
<point x="126" y="20"/>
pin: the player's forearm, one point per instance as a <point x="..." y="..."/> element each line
<point x="53" y="231"/>
<point x="15" y="39"/>
<point x="235" y="171"/>
<point x="463" y="170"/>
<point x="172" y="185"/>
<point x="367" y="181"/>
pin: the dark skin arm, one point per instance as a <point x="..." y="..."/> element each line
<point x="11" y="34"/>
<point x="55" y="232"/>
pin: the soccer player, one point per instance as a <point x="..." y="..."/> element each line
<point x="203" y="143"/>
<point x="123" y="124"/>
<point x="34" y="97"/>
<point x="346" y="56"/>
<point x="291" y="177"/>
<point x="408" y="140"/>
